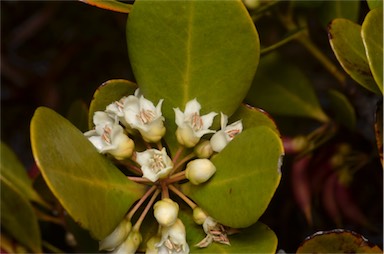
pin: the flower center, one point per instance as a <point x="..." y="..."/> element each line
<point x="107" y="135"/>
<point x="196" y="121"/>
<point x="172" y="246"/>
<point x="146" y="116"/>
<point x="232" y="133"/>
<point x="120" y="104"/>
<point x="157" y="163"/>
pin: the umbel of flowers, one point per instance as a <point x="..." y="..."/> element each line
<point x="134" y="117"/>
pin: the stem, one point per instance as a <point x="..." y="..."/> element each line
<point x="133" y="168"/>
<point x="281" y="42"/>
<point x="178" y="153"/>
<point x="159" y="145"/>
<point x="164" y="190"/>
<point x="184" y="160"/>
<point x="138" y="179"/>
<point x="51" y="248"/>
<point x="182" y="196"/>
<point x="137" y="225"/>
<point x="176" y="177"/>
<point x="141" y="201"/>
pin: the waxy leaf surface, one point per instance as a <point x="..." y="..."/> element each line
<point x="372" y="34"/>
<point x="347" y="44"/>
<point x="181" y="50"/>
<point x="110" y="91"/>
<point x="247" y="175"/>
<point x="18" y="218"/>
<point x="93" y="191"/>
<point x="281" y="88"/>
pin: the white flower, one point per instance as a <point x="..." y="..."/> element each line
<point x="142" y="115"/>
<point x="199" y="171"/>
<point x="221" y="138"/>
<point x="117" y="109"/>
<point x="155" y="164"/>
<point x="215" y="233"/>
<point x="110" y="138"/>
<point x="173" y="239"/>
<point x="118" y="235"/>
<point x="192" y="126"/>
<point x="130" y="245"/>
<point x="166" y="212"/>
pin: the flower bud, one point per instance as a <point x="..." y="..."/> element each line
<point x="166" y="212"/>
<point x="199" y="171"/>
<point x="130" y="245"/>
<point x="151" y="245"/>
<point x="124" y="149"/>
<point x="118" y="235"/>
<point x="204" y="149"/>
<point x="186" y="137"/>
<point x="199" y="216"/>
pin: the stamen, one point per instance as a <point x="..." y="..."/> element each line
<point x="196" y="122"/>
<point x="233" y="133"/>
<point x="107" y="135"/>
<point x="157" y="163"/>
<point x="146" y="116"/>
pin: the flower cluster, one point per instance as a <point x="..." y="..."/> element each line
<point x="135" y="118"/>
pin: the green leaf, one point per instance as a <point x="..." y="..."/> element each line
<point x="247" y="175"/>
<point x="181" y="50"/>
<point x="257" y="238"/>
<point x="346" y="42"/>
<point x="330" y="10"/>
<point x="372" y="34"/>
<point x="281" y="88"/>
<point x="253" y="117"/>
<point x="372" y="4"/>
<point x="343" y="111"/>
<point x="18" y="218"/>
<point x="15" y="174"/>
<point x="337" y="241"/>
<point x="108" y="92"/>
<point x="112" y="5"/>
<point x="93" y="191"/>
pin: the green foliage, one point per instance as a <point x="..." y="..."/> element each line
<point x="343" y="111"/>
<point x="93" y="191"/>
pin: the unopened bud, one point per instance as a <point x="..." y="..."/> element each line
<point x="199" y="171"/>
<point x="115" y="238"/>
<point x="130" y="245"/>
<point x="204" y="149"/>
<point x="166" y="212"/>
<point x="199" y="216"/>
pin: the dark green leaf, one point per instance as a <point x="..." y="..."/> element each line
<point x="372" y="34"/>
<point x="93" y="191"/>
<point x="346" y="42"/>
<point x="343" y="111"/>
<point x="281" y="88"/>
<point x="372" y="4"/>
<point x="18" y="218"/>
<point x="339" y="9"/>
<point x="247" y="175"/>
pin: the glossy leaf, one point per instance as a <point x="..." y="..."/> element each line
<point x="372" y="4"/>
<point x="253" y="117"/>
<point x="339" y="9"/>
<point x="181" y="50"/>
<point x="372" y="34"/>
<point x="257" y="238"/>
<point x="112" y="5"/>
<point x="93" y="191"/>
<point x="346" y="42"/>
<point x="343" y="111"/>
<point x="108" y="92"/>
<point x="15" y="174"/>
<point x="18" y="218"/>
<point x="247" y="175"/>
<point x="337" y="241"/>
<point x="281" y="88"/>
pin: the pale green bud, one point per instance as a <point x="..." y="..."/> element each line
<point x="130" y="245"/>
<point x="199" y="171"/>
<point x="151" y="245"/>
<point x="203" y="149"/>
<point x="118" y="235"/>
<point x="166" y="212"/>
<point x="199" y="216"/>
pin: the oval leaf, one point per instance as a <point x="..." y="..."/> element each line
<point x="181" y="50"/>
<point x="93" y="191"/>
<point x="108" y="92"/>
<point x="337" y="241"/>
<point x="15" y="174"/>
<point x="372" y="34"/>
<point x="112" y="5"/>
<point x="18" y="218"/>
<point x="343" y="111"/>
<point x="346" y="42"/>
<point x="289" y="93"/>
<point x="247" y="175"/>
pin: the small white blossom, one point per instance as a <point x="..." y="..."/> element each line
<point x="109" y="137"/>
<point x="117" y="109"/>
<point x="215" y="233"/>
<point x="199" y="171"/>
<point x="118" y="235"/>
<point x="221" y="138"/>
<point x="130" y="245"/>
<point x="142" y="115"/>
<point x="192" y="126"/>
<point x="166" y="212"/>
<point x="155" y="164"/>
<point x="173" y="239"/>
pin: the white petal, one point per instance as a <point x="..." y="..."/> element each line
<point x="208" y="120"/>
<point x="179" y="117"/>
<point x="192" y="107"/>
<point x="224" y="120"/>
<point x="219" y="141"/>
